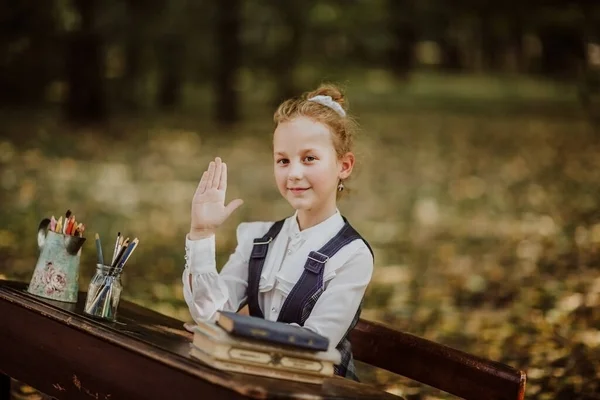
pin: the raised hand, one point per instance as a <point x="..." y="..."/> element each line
<point x="208" y="205"/>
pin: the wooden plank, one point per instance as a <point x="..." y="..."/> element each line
<point x="54" y="347"/>
<point x="65" y="363"/>
<point x="434" y="364"/>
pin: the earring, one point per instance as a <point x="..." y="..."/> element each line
<point x="340" y="186"/>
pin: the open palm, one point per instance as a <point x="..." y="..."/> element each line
<point x="208" y="205"/>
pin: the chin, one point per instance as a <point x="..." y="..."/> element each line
<point x="300" y="204"/>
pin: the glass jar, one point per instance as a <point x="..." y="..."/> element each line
<point x="104" y="293"/>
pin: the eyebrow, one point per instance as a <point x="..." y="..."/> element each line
<point x="310" y="150"/>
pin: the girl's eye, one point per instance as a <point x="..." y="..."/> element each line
<point x="283" y="161"/>
<point x="309" y="158"/>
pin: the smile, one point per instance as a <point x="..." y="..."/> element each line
<point x="297" y="190"/>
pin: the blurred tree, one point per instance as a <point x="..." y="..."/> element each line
<point x="589" y="83"/>
<point x="29" y="39"/>
<point x="560" y="29"/>
<point x="516" y="23"/>
<point x="434" y="21"/>
<point x="228" y="60"/>
<point x="563" y="50"/>
<point x="171" y="54"/>
<point x="294" y="16"/>
<point x="85" y="64"/>
<point x="121" y="53"/>
<point x="401" y="24"/>
<point x="136" y="28"/>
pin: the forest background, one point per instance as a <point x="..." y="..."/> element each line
<point x="478" y="177"/>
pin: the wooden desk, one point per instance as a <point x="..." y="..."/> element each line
<point x="60" y="351"/>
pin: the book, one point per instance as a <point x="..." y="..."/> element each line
<point x="271" y="331"/>
<point x="218" y="343"/>
<point x="252" y="369"/>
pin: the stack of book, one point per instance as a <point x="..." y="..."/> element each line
<point x="251" y="345"/>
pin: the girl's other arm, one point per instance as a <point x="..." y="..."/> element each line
<point x="336" y="307"/>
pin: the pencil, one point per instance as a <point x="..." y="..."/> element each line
<point x="116" y="249"/>
<point x="77" y="230"/>
<point x="130" y="248"/>
<point x="118" y="257"/>
<point x="73" y="225"/>
<point x="69" y="226"/>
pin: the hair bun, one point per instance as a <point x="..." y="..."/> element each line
<point x="332" y="91"/>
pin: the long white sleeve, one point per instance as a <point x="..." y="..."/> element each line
<point x="211" y="291"/>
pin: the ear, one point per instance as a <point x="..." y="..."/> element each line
<point x="346" y="163"/>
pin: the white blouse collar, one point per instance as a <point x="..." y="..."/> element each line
<point x="328" y="227"/>
<point x="313" y="237"/>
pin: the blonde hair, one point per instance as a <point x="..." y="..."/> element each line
<point x="343" y="128"/>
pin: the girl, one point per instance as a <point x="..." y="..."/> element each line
<point x="310" y="269"/>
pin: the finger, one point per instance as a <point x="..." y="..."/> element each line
<point x="211" y="174"/>
<point x="202" y="185"/>
<point x="223" y="182"/>
<point x="233" y="205"/>
<point x="217" y="176"/>
<point x="189" y="326"/>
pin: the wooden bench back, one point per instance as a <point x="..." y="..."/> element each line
<point x="436" y="365"/>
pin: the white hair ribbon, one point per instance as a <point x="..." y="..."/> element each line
<point x="327" y="101"/>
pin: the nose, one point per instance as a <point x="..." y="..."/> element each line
<point x="295" y="171"/>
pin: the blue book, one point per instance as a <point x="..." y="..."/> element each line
<point x="271" y="331"/>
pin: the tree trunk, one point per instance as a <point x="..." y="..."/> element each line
<point x="401" y="52"/>
<point x="228" y="46"/>
<point x="28" y="52"/>
<point x="488" y="43"/>
<point x="85" y="69"/>
<point x="286" y="62"/>
<point x="516" y="41"/>
<point x="129" y="92"/>
<point x="563" y="51"/>
<point x="294" y="14"/>
<point x="170" y="56"/>
<point x="130" y="85"/>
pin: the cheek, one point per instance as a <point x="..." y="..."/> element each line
<point x="280" y="176"/>
<point x="323" y="176"/>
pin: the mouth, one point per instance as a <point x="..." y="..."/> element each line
<point x="298" y="190"/>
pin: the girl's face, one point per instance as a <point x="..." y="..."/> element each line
<point x="307" y="168"/>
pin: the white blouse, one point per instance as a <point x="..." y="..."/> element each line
<point x="346" y="275"/>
